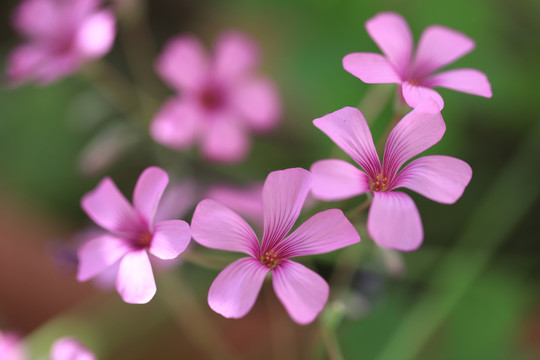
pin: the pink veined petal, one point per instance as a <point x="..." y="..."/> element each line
<point x="98" y="254"/>
<point x="177" y="199"/>
<point x="148" y="191"/>
<point x="68" y="348"/>
<point x="225" y="140"/>
<point x="245" y="201"/>
<point x="170" y="238"/>
<point x="415" y="95"/>
<point x="135" y="282"/>
<point x="371" y="68"/>
<point x="394" y="222"/>
<point x="95" y="36"/>
<point x="323" y="232"/>
<point x="348" y="128"/>
<point x="235" y="289"/>
<point x="284" y="193"/>
<point x="302" y="292"/>
<point x="417" y="131"/>
<point x="439" y="46"/>
<point x="258" y="103"/>
<point x="393" y="36"/>
<point x="469" y="81"/>
<point x="337" y="180"/>
<point x="183" y="63"/>
<point x="437" y="177"/>
<point x="176" y="124"/>
<point x="217" y="227"/>
<point x="108" y="208"/>
<point x="235" y="55"/>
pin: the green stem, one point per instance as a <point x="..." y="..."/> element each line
<point x="330" y="341"/>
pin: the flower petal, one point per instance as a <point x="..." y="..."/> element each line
<point x="323" y="232"/>
<point x="135" y="282"/>
<point x="348" y="128"/>
<point x="217" y="227"/>
<point x="22" y="63"/>
<point x="235" y="289"/>
<point x="95" y="36"/>
<point x="39" y="19"/>
<point x="108" y="208"/>
<point x="176" y="124"/>
<point x="439" y="178"/>
<point x="284" y="193"/>
<point x="148" y="191"/>
<point x="302" y="292"/>
<point x="415" y="95"/>
<point x="394" y="222"/>
<point x="98" y="254"/>
<point x="68" y="348"/>
<point x="337" y="180"/>
<point x="469" y="81"/>
<point x="170" y="238"/>
<point x="225" y="140"/>
<point x="371" y="68"/>
<point x="417" y="131"/>
<point x="235" y="55"/>
<point x="393" y="36"/>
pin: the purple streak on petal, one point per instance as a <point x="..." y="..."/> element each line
<point x="393" y="36"/>
<point x="95" y="36"/>
<point x="415" y="95"/>
<point x="417" y="131"/>
<point x="302" y="292"/>
<point x="135" y="282"/>
<point x="170" y="238"/>
<point x="176" y="124"/>
<point x="235" y="55"/>
<point x="217" y="227"/>
<point x="284" y="193"/>
<point x="371" y="68"/>
<point x="235" y="289"/>
<point x="225" y="140"/>
<point x="177" y="199"/>
<point x="99" y="253"/>
<point x="68" y="348"/>
<point x="337" y="180"/>
<point x="245" y="201"/>
<point x="324" y="232"/>
<point x="439" y="178"/>
<point x="348" y="128"/>
<point x="469" y="81"/>
<point x="147" y="193"/>
<point x="394" y="222"/>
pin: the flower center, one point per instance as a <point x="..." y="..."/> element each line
<point x="414" y="82"/>
<point x="380" y="183"/>
<point x="270" y="259"/>
<point x="212" y="98"/>
<point x="144" y="240"/>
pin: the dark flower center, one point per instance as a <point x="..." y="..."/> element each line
<point x="270" y="259"/>
<point x="144" y="240"/>
<point x="380" y="183"/>
<point x="212" y="98"/>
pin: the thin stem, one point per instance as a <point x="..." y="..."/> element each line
<point x="331" y="343"/>
<point x="352" y="214"/>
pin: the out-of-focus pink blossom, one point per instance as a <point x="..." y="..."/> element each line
<point x="302" y="291"/>
<point x="393" y="219"/>
<point x="438" y="47"/>
<point x="68" y="348"/>
<point x="11" y="347"/>
<point x="60" y="36"/>
<point x="245" y="201"/>
<point x="131" y="235"/>
<point x="220" y="99"/>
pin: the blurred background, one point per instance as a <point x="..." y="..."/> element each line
<point x="470" y="292"/>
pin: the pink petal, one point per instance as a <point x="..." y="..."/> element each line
<point x="348" y="128"/>
<point x="37" y="18"/>
<point x="337" y="180"/>
<point x="245" y="201"/>
<point x="371" y="68"/>
<point x="68" y="348"/>
<point x="417" y="131"/>
<point x="235" y="55"/>
<point x="170" y="238"/>
<point x="394" y="222"/>
<point x="176" y="124"/>
<point x="183" y="63"/>
<point x="100" y="253"/>
<point x="302" y="292"/>
<point x="135" y="282"/>
<point x="12" y="347"/>
<point x="284" y="193"/>
<point x="225" y="140"/>
<point x="22" y="63"/>
<point x="217" y="227"/>
<point x="56" y="66"/>
<point x="177" y="199"/>
<point x="235" y="289"/>
<point x="439" y="178"/>
<point x="324" y="232"/>
<point x="108" y="208"/>
<point x="469" y="81"/>
<point x="393" y="36"/>
<point x="415" y="95"/>
<point x="148" y="191"/>
<point x="95" y="36"/>
<point x="439" y="46"/>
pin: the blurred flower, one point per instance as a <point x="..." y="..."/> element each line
<point x="11" y="347"/>
<point x="438" y="46"/>
<point x="302" y="291"/>
<point x="68" y="348"/>
<point x="245" y="201"/>
<point x="131" y="233"/>
<point x="61" y="35"/>
<point x="393" y="220"/>
<point x="220" y="98"/>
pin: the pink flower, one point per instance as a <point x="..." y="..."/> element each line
<point x="245" y="201"/>
<point x="68" y="348"/>
<point x="61" y="35"/>
<point x="301" y="291"/>
<point x="132" y="234"/>
<point x="11" y="347"/>
<point x="393" y="220"/>
<point x="220" y="99"/>
<point x="438" y="46"/>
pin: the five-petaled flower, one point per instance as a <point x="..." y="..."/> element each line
<point x="131" y="234"/>
<point x="438" y="46"/>
<point x="220" y="98"/>
<point x="393" y="219"/>
<point x="302" y="291"/>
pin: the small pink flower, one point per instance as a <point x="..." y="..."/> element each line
<point x="132" y="234"/>
<point x="11" y="347"/>
<point x="302" y="291"/>
<point x="68" y="348"/>
<point x="61" y="35"/>
<point x="393" y="219"/>
<point x="220" y="99"/>
<point x="438" y="47"/>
